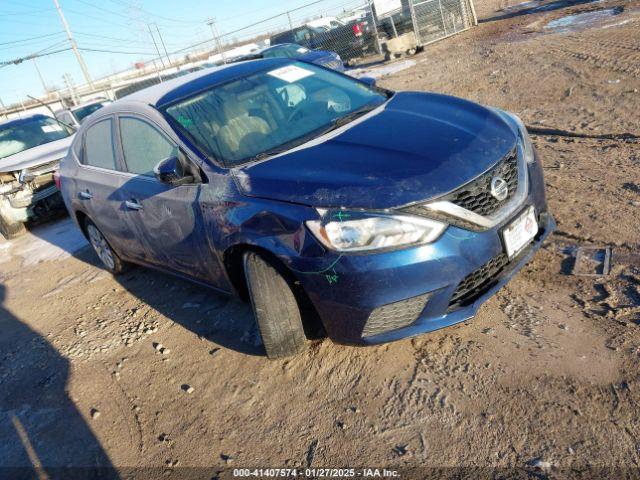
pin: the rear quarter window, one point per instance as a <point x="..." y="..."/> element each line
<point x="98" y="146"/>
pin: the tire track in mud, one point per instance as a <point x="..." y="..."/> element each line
<point x="431" y="391"/>
<point x="619" y="56"/>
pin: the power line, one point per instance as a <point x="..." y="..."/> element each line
<point x="126" y="4"/>
<point x="117" y="39"/>
<point x="31" y="38"/>
<point x="29" y="57"/>
<point x="115" y="51"/>
<point x="247" y="26"/>
<point x="33" y="12"/>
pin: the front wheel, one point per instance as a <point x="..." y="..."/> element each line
<point x="110" y="259"/>
<point x="275" y="308"/>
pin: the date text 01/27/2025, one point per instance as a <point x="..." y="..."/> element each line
<point x="316" y="472"/>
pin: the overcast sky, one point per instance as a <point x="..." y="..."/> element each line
<point x="119" y="29"/>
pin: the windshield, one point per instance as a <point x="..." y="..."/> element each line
<point x="271" y="111"/>
<point x="20" y="136"/>
<point x="82" y="112"/>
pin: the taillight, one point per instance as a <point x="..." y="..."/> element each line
<point x="357" y="31"/>
<point x="56" y="179"/>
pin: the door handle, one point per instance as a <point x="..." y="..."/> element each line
<point x="85" y="195"/>
<point x="133" y="205"/>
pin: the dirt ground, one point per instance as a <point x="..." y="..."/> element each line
<point x="544" y="381"/>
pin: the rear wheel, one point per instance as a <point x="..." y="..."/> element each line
<point x="110" y="259"/>
<point x="275" y="308"/>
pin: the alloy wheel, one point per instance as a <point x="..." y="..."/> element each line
<point x="101" y="247"/>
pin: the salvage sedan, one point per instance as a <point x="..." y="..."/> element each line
<point x="30" y="150"/>
<point x="387" y="214"/>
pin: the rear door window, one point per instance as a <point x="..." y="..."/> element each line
<point x="143" y="146"/>
<point x="99" y="151"/>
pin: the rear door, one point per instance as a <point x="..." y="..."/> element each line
<point x="99" y="180"/>
<point x="167" y="218"/>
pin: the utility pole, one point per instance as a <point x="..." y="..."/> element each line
<point x="156" y="45"/>
<point x="44" y="85"/>
<point x="163" y="45"/>
<point x="74" y="46"/>
<point x="4" y="108"/>
<point x="214" y="31"/>
<point x="21" y="102"/>
<point x="290" y="23"/>
<point x="72" y="90"/>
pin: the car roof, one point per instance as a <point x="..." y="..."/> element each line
<point x="90" y="102"/>
<point x="18" y="121"/>
<point x="172" y="90"/>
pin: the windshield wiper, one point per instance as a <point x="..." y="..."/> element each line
<point x="350" y="117"/>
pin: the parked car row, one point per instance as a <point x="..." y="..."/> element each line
<point x="290" y="50"/>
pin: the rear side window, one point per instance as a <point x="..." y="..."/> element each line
<point x="143" y="146"/>
<point x="99" y="151"/>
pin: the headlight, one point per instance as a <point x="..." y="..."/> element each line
<point x="374" y="232"/>
<point x="527" y="147"/>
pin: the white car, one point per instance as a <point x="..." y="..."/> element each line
<point x="325" y="23"/>
<point x="30" y="152"/>
<point x="75" y="116"/>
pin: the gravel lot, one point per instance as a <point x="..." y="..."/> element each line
<point x="146" y="370"/>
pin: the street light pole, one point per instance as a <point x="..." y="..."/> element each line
<point x="216" y="37"/>
<point x="74" y="45"/>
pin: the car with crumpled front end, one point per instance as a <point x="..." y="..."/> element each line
<point x="382" y="214"/>
<point x="30" y="151"/>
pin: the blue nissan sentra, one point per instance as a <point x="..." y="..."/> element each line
<point x="382" y="214"/>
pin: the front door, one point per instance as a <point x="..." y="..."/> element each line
<point x="168" y="218"/>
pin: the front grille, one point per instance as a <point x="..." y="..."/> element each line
<point x="474" y="285"/>
<point x="476" y="195"/>
<point x="395" y="315"/>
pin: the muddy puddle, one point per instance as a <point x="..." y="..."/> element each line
<point x="581" y="21"/>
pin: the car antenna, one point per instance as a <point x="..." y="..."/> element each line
<point x="53" y="115"/>
<point x="43" y="104"/>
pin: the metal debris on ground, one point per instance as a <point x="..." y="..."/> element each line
<point x="592" y="261"/>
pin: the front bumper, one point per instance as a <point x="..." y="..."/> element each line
<point x="426" y="323"/>
<point x="420" y="282"/>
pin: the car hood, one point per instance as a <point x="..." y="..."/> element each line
<point x="36" y="156"/>
<point x="417" y="147"/>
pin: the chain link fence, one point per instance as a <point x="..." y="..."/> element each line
<point x="358" y="29"/>
<point x="360" y="32"/>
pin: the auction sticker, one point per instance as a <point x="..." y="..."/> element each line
<point x="290" y="73"/>
<point x="51" y="128"/>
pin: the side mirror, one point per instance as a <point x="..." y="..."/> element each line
<point x="175" y="171"/>
<point x="26" y="176"/>
<point x="369" y="81"/>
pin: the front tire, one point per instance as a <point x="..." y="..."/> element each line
<point x="275" y="308"/>
<point x="110" y="259"/>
